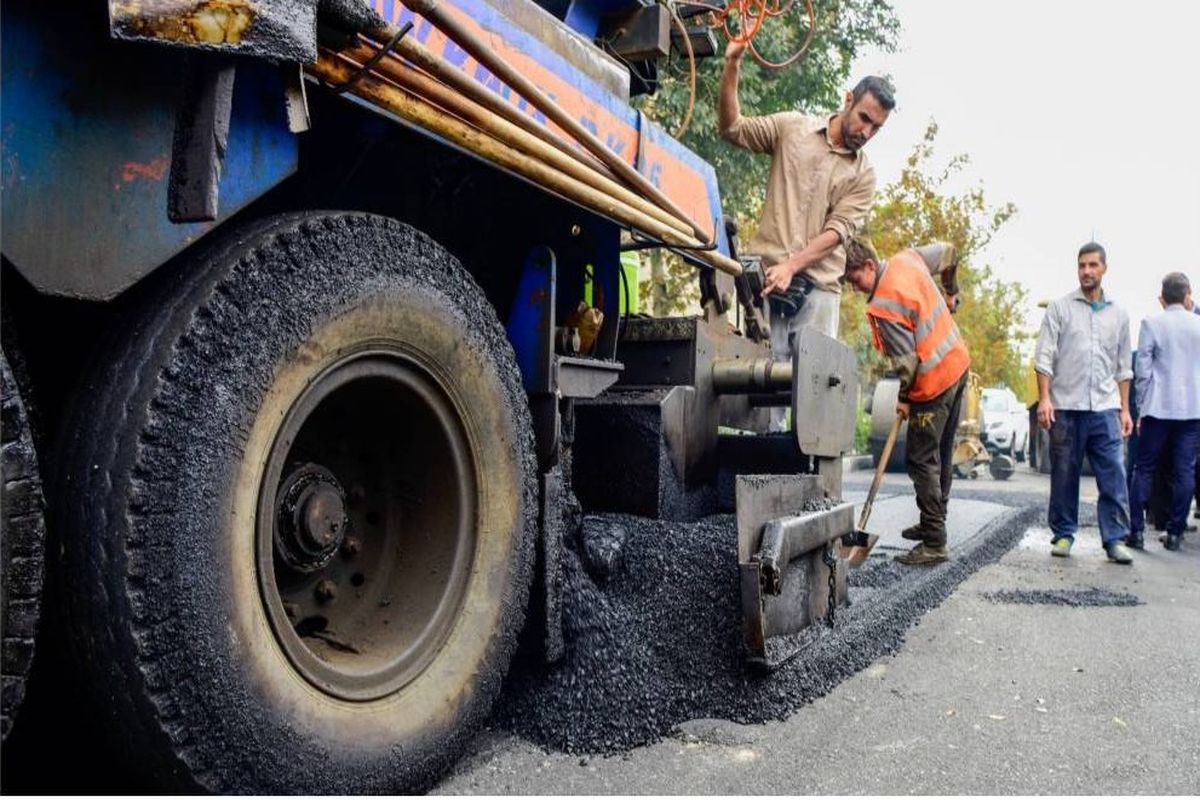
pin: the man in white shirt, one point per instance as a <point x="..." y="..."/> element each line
<point x="1083" y="363"/>
<point x="1168" y="387"/>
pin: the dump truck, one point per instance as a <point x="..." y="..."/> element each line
<point x="300" y="403"/>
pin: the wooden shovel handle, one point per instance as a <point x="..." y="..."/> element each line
<point x="884" y="457"/>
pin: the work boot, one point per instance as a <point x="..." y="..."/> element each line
<point x="1171" y="541"/>
<point x="915" y="533"/>
<point x="1061" y="547"/>
<point x="1135" y="540"/>
<point x="1118" y="553"/>
<point x="925" y="554"/>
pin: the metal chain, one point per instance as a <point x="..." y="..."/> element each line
<point x="830" y="562"/>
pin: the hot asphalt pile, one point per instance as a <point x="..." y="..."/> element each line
<point x="653" y="634"/>
<point x="1076" y="598"/>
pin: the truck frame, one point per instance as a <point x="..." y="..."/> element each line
<point x="296" y="413"/>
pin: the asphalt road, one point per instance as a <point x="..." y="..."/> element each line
<point x="986" y="695"/>
<point x="983" y="695"/>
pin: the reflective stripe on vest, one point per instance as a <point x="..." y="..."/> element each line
<point x="899" y="308"/>
<point x="907" y="295"/>
<point x="940" y="352"/>
<point x="925" y="326"/>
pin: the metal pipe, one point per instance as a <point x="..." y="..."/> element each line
<point x="473" y="113"/>
<point x="466" y="39"/>
<point x="439" y="68"/>
<point x="745" y="376"/>
<point x="330" y="68"/>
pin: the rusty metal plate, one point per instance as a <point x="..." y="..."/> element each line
<point x="804" y="589"/>
<point x="277" y="29"/>
<point x="824" y="394"/>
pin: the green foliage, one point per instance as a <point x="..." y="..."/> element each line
<point x="815" y="84"/>
<point x="673" y="285"/>
<point x="916" y="210"/>
<point x="862" y="430"/>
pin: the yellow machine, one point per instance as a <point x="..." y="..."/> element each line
<point x="969" y="452"/>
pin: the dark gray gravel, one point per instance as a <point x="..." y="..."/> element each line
<point x="658" y="644"/>
<point x="1077" y="598"/>
<point x="878" y="574"/>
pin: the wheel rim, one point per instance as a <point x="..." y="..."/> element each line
<point x="366" y="525"/>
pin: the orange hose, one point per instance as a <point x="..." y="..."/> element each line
<point x="751" y="14"/>
<point x="691" y="54"/>
<point x="755" y="11"/>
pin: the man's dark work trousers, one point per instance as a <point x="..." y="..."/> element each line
<point x="1181" y="437"/>
<point x="929" y="454"/>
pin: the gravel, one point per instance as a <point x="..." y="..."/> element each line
<point x="1076" y="598"/>
<point x="658" y="643"/>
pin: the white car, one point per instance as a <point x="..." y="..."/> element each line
<point x="1005" y="423"/>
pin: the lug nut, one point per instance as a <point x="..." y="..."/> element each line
<point x="292" y="610"/>
<point x="351" y="546"/>
<point x="326" y="590"/>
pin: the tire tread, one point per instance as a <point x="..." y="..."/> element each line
<point x="157" y="695"/>
<point x="23" y="546"/>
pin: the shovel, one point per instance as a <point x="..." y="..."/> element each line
<point x="857" y="546"/>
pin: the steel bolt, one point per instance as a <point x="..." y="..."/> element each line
<point x="321" y="517"/>
<point x="351" y="545"/>
<point x="326" y="590"/>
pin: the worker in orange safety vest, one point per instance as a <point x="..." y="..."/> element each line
<point x="911" y="323"/>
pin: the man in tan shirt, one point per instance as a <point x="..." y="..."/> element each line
<point x="820" y="189"/>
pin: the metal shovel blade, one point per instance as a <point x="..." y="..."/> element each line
<point x="855" y="547"/>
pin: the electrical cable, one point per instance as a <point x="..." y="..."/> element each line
<point x="672" y="8"/>
<point x="751" y="14"/>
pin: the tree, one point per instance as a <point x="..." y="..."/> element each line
<point x="814" y="84"/>
<point x="916" y="209"/>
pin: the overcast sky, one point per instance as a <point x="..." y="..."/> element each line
<point x="1084" y="113"/>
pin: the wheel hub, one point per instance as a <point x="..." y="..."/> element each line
<point x="362" y="585"/>
<point x="310" y="518"/>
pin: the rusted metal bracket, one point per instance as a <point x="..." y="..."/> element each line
<point x="295" y="99"/>
<point x="201" y="139"/>
<point x="279" y="30"/>
<point x="783" y="561"/>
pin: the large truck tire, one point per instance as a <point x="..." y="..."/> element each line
<point x="22" y="548"/>
<point x="301" y="514"/>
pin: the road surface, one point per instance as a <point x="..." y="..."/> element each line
<point x="1004" y="688"/>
